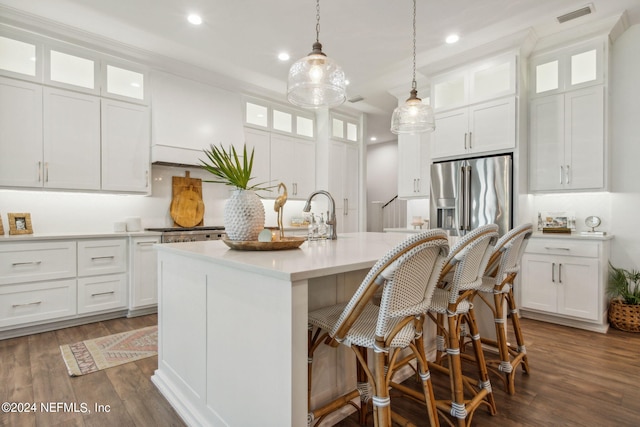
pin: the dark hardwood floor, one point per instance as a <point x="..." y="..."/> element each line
<point x="578" y="378"/>
<point x="32" y="371"/>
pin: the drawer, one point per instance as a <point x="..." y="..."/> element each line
<point x="35" y="302"/>
<point x="563" y="247"/>
<point x="104" y="256"/>
<point x="102" y="293"/>
<point x="36" y="261"/>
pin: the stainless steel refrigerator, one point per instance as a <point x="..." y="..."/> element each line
<point x="466" y="194"/>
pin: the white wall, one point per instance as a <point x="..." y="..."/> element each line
<point x="67" y="212"/>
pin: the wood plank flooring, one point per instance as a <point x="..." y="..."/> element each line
<point x="32" y="370"/>
<point x="578" y="378"/>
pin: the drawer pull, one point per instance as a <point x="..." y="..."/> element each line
<point x="15" y="264"/>
<point x="26" y="304"/>
<point x="551" y="248"/>
<point x="146" y="243"/>
<point x="95" y="258"/>
<point x="103" y="293"/>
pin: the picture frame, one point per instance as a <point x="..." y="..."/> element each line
<point x="20" y="223"/>
<point x="1" y="227"/>
<point x="558" y="222"/>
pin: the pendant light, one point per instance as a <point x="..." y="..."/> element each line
<point x="414" y="116"/>
<point x="316" y="80"/>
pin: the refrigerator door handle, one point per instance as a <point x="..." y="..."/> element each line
<point x="463" y="198"/>
<point x="467" y="195"/>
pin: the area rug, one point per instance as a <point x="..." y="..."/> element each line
<point x="93" y="355"/>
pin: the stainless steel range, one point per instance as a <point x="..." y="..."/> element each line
<point x="193" y="234"/>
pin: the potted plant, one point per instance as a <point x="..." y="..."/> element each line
<point x="624" y="307"/>
<point x="243" y="212"/>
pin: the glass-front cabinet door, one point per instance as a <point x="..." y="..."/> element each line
<point x="20" y="56"/>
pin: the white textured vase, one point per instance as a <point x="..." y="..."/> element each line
<point x="243" y="215"/>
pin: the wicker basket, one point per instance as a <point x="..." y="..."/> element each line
<point x="625" y="317"/>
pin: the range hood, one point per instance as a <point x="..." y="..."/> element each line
<point x="167" y="155"/>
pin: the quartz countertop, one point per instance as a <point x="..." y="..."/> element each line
<point x="576" y="236"/>
<point x="351" y="251"/>
<point x="7" y="238"/>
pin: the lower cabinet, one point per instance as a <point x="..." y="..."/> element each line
<point x="563" y="280"/>
<point x="143" y="274"/>
<point x="52" y="283"/>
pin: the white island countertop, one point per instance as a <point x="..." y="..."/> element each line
<point x="351" y="251"/>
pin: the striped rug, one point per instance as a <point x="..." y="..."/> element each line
<point x="93" y="355"/>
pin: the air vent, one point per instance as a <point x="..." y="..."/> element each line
<point x="356" y="99"/>
<point x="575" y="14"/>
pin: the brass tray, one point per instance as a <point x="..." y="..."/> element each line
<point x="254" y="245"/>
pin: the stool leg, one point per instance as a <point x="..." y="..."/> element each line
<point x="501" y="340"/>
<point x="425" y="376"/>
<point x="458" y="407"/>
<point x="515" y="321"/>
<point x="482" y="366"/>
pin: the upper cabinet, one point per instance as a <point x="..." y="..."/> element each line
<point x="489" y="79"/>
<point x="20" y="55"/>
<point x="568" y="108"/>
<point x="475" y="108"/>
<point x="568" y="69"/>
<point x="413" y="166"/>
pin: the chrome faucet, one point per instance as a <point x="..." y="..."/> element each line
<point x="331" y="220"/>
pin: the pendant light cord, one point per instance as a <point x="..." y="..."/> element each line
<point x="318" y="21"/>
<point x="413" y="82"/>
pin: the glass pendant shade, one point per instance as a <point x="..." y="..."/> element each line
<point x="316" y="81"/>
<point x="413" y="117"/>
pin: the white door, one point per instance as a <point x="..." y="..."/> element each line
<point x="539" y="283"/>
<point x="546" y="152"/>
<point x="450" y="137"/>
<point x="144" y="286"/>
<point x="584" y="138"/>
<point x="71" y="140"/>
<point x="492" y="126"/>
<point x="126" y="147"/>
<point x="577" y="280"/>
<point x="20" y="133"/>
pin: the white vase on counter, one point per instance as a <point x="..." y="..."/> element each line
<point x="243" y="215"/>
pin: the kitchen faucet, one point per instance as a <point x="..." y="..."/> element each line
<point x="331" y="219"/>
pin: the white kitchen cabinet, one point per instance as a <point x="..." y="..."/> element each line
<point x="143" y="274"/>
<point x="567" y="141"/>
<point x="35" y="261"/>
<point x="102" y="293"/>
<point x="20" y="133"/>
<point x="71" y="153"/>
<point x="293" y="162"/>
<point x="343" y="184"/>
<point x="569" y="68"/>
<point x="563" y="280"/>
<point x="492" y="78"/>
<point x="125" y="147"/>
<point x="413" y="166"/>
<point x="102" y="256"/>
<point x="260" y="142"/>
<point x="478" y="129"/>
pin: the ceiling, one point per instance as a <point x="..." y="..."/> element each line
<point x="370" y="39"/>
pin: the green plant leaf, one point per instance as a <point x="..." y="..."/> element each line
<point x="228" y="169"/>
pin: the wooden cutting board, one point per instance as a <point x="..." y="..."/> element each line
<point x="187" y="207"/>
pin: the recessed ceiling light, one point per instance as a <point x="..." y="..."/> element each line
<point x="347" y="82"/>
<point x="453" y="38"/>
<point x="194" y="19"/>
<point x="373" y="138"/>
<point x="283" y="56"/>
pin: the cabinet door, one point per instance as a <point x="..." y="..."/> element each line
<point x="259" y="141"/>
<point x="351" y="187"/>
<point x="125" y="147"/>
<point x="343" y="184"/>
<point x="71" y="140"/>
<point x="413" y="168"/>
<point x="492" y="79"/>
<point x="102" y="293"/>
<point x="450" y="90"/>
<point x="538" y="283"/>
<point x="492" y="126"/>
<point x="144" y="274"/>
<point x="293" y="163"/>
<point x="546" y="152"/>
<point x="20" y="133"/>
<point x="578" y="284"/>
<point x="450" y="137"/>
<point x="584" y="139"/>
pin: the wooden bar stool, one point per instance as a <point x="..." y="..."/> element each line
<point x="460" y="278"/>
<point x="497" y="292"/>
<point x="407" y="277"/>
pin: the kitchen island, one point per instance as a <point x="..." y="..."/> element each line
<point x="232" y="347"/>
